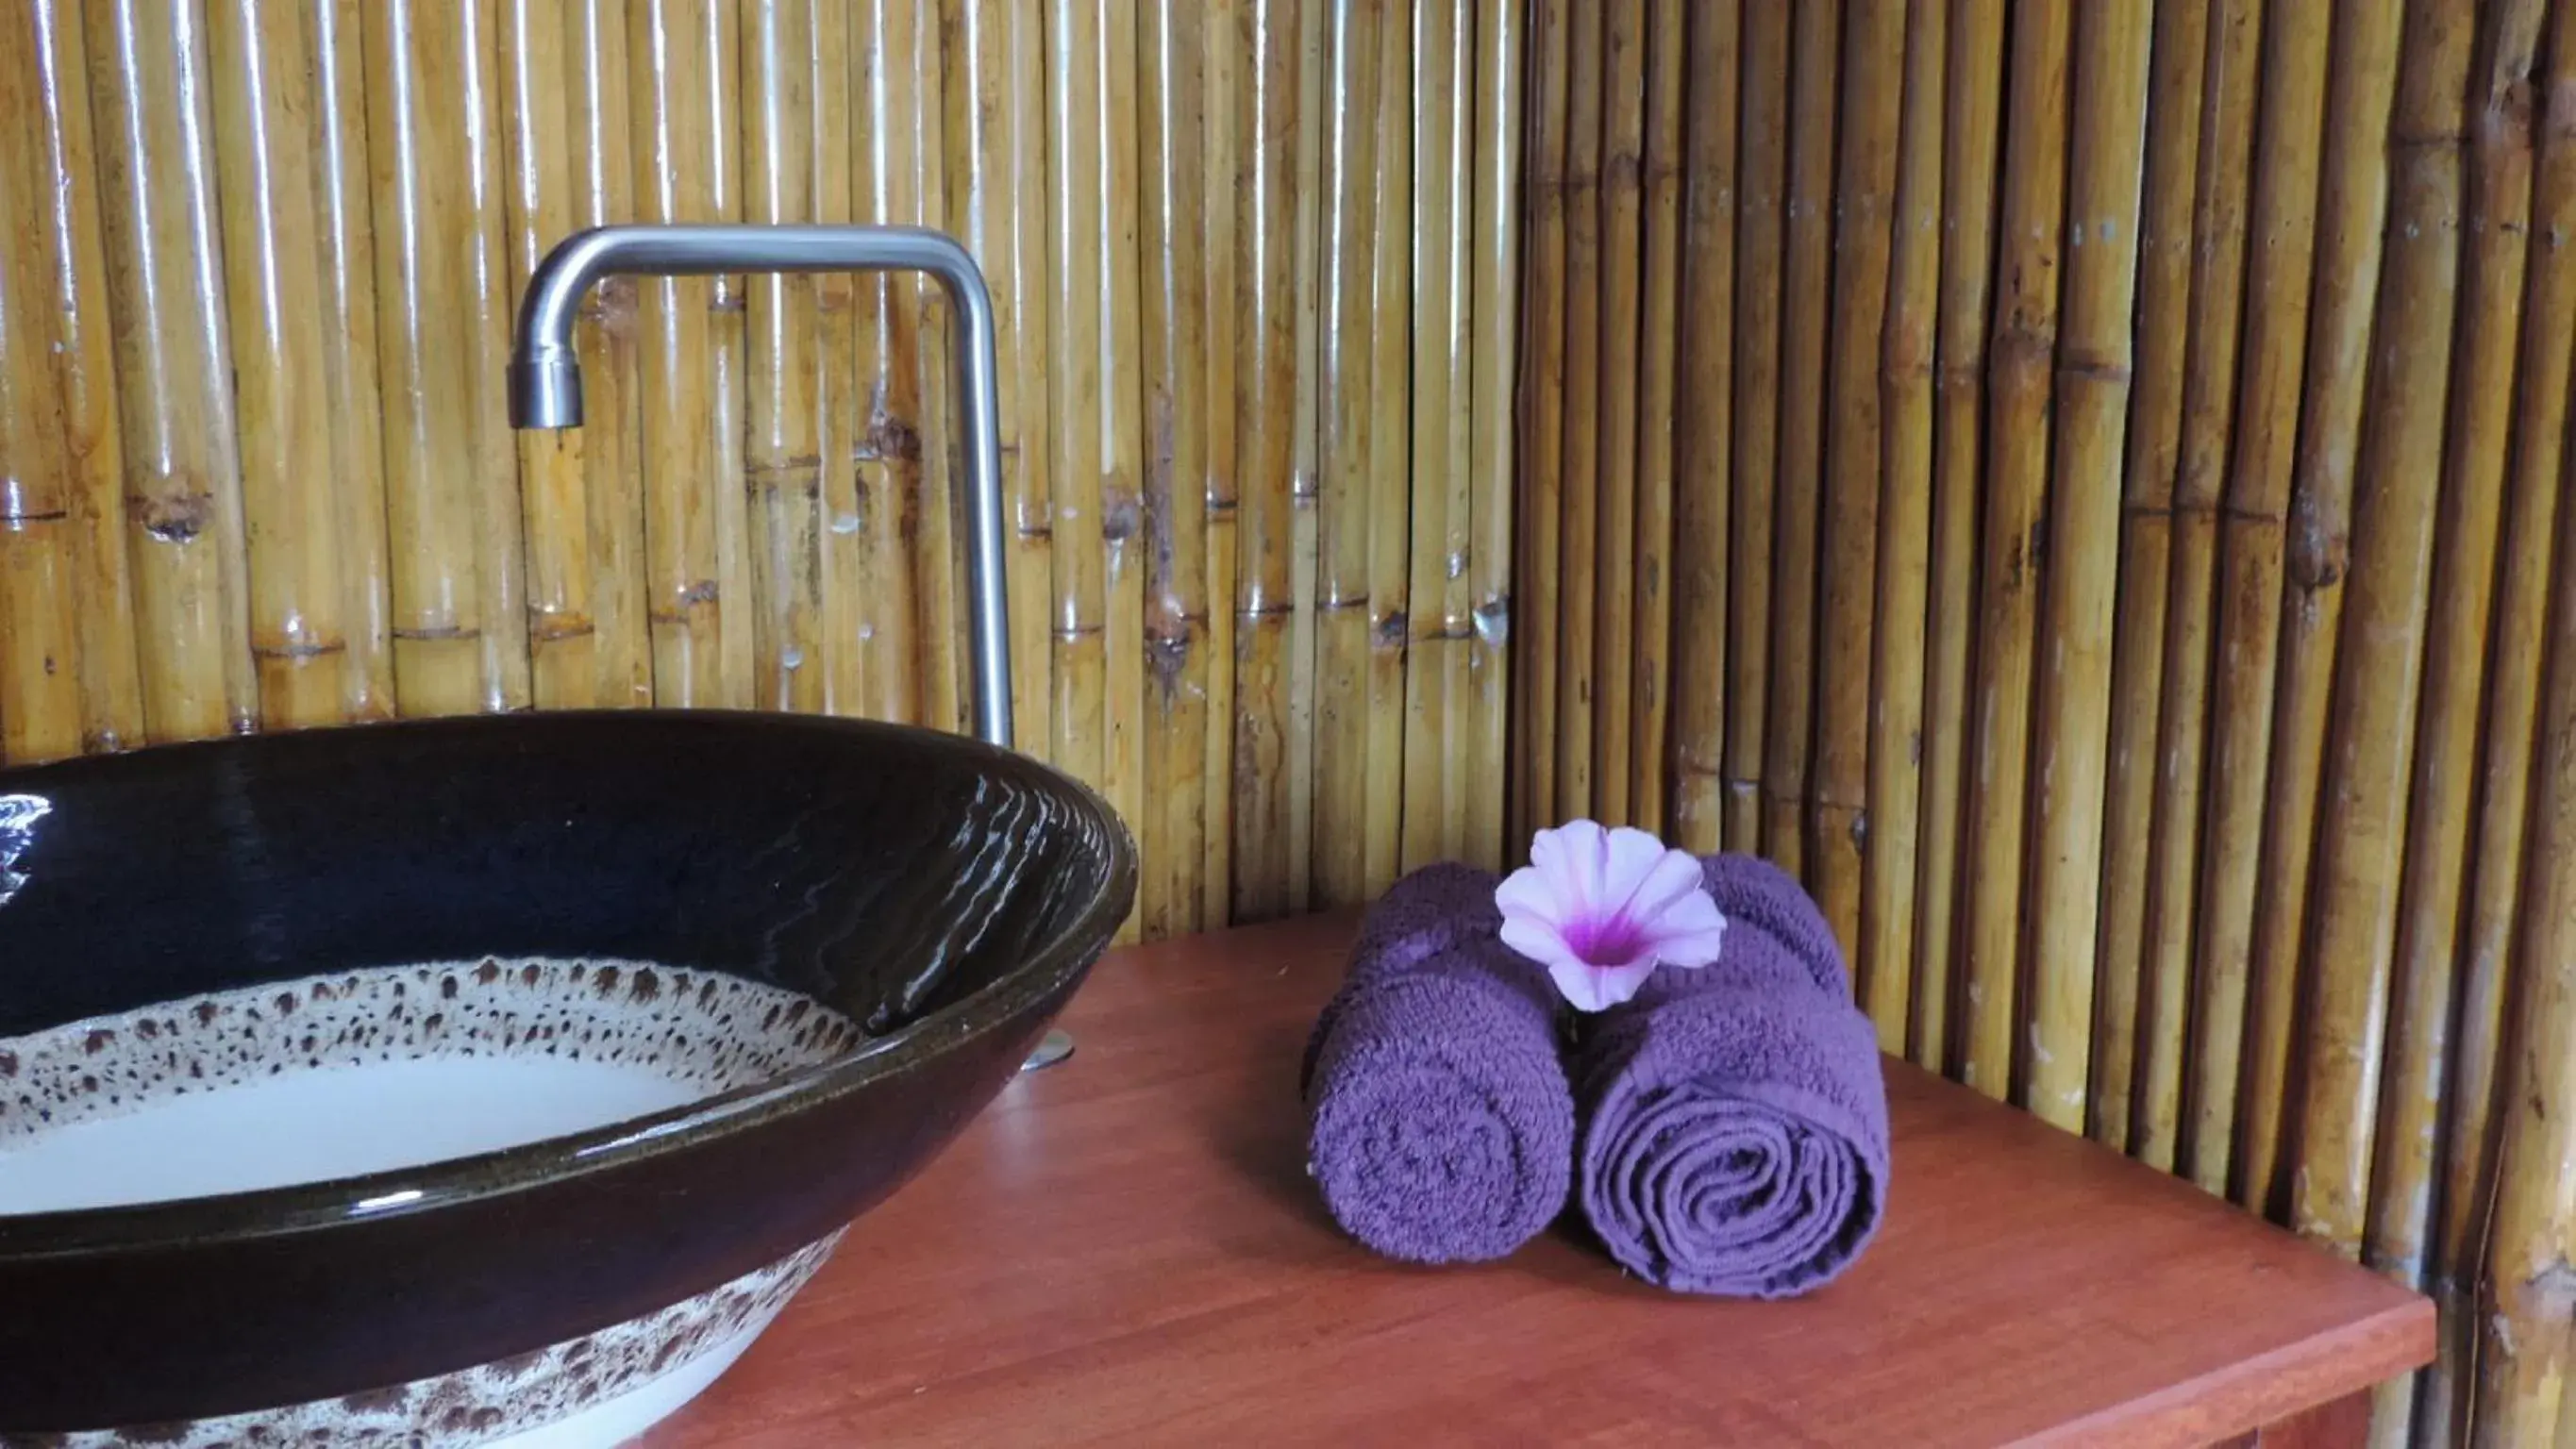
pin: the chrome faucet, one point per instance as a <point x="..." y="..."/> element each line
<point x="545" y="385"/>
<point x="545" y="371"/>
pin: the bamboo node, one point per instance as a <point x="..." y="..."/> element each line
<point x="888" y="438"/>
<point x="1121" y="516"/>
<point x="1493" y="622"/>
<point x="1167" y="653"/>
<point x="610" y="304"/>
<point x="174" y="517"/>
<point x="2319" y="557"/>
<point x="1390" y="630"/>
<point x="299" y="649"/>
<point x="2093" y="369"/>
<point x="2029" y="552"/>
<point x="546" y="626"/>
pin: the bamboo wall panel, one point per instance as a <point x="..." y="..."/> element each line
<point x="1256" y="268"/>
<point x="2080" y="484"/>
<point x="2115" y="540"/>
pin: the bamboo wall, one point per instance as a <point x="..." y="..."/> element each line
<point x="1254" y="267"/>
<point x="2081" y="483"/>
<point x="2078" y="481"/>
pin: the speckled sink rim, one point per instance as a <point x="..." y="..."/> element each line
<point x="304" y="1207"/>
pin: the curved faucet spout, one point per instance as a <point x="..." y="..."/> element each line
<point x="545" y="371"/>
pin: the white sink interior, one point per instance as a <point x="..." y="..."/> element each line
<point x="317" y="1124"/>
<point x="366" y="1071"/>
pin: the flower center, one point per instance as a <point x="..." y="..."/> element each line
<point x="1611" y="940"/>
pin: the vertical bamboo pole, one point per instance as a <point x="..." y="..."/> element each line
<point x="1436" y="624"/>
<point x="1650" y="597"/>
<point x="1268" y="120"/>
<point x="1873" y="86"/>
<point x="1001" y="85"/>
<point x="719" y="28"/>
<point x="2025" y="341"/>
<point x="2518" y="635"/>
<point x="1889" y="870"/>
<point x="484" y="292"/>
<point x="1971" y="147"/>
<point x="1222" y="80"/>
<point x="354" y="400"/>
<point x="1343" y="458"/>
<point x="601" y="178"/>
<point x="1075" y="254"/>
<point x="2275" y="312"/>
<point x="2105" y="163"/>
<point x="2528" y="1292"/>
<point x="1540" y="418"/>
<point x="109" y="675"/>
<point x="844" y="373"/>
<point x="1611" y="565"/>
<point x="1704" y="430"/>
<point x="1310" y="210"/>
<point x="888" y="435"/>
<point x="2174" y="112"/>
<point x="1122" y="451"/>
<point x="2352" y="200"/>
<point x="2361" y="821"/>
<point x="40" y="644"/>
<point x="563" y="643"/>
<point x="1390" y="289"/>
<point x="2406" y="1158"/>
<point x="413" y="74"/>
<point x="861" y="498"/>
<point x="1761" y="246"/>
<point x="183" y="503"/>
<point x="1033" y="532"/>
<point x="1493" y="449"/>
<point x="1579" y="504"/>
<point x="1539" y="415"/>
<point x="678" y="458"/>
<point x="783" y="451"/>
<point x="938" y="542"/>
<point x="1175" y="495"/>
<point x="262" y="95"/>
<point x="1797" y="503"/>
<point x="2208" y="393"/>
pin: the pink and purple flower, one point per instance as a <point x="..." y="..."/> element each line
<point x="1602" y="908"/>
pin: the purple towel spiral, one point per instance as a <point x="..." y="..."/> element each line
<point x="1734" y="1134"/>
<point x="1442" y="1127"/>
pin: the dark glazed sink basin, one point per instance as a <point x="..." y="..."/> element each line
<point x="809" y="949"/>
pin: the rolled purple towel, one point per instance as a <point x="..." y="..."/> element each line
<point x="1441" y="1124"/>
<point x="1754" y="892"/>
<point x="1734" y="1135"/>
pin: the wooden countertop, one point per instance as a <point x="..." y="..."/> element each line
<point x="1125" y="1249"/>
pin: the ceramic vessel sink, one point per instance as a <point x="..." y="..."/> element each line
<point x="491" y="1080"/>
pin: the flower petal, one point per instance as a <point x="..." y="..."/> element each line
<point x="1629" y="859"/>
<point x="1673" y="880"/>
<point x="1690" y="933"/>
<point x="1598" y="988"/>
<point x="1531" y="891"/>
<point x="1576" y="855"/>
<point x="1538" y="939"/>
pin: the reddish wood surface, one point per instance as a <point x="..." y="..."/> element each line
<point x="2343" y="1424"/>
<point x="1126" y="1250"/>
